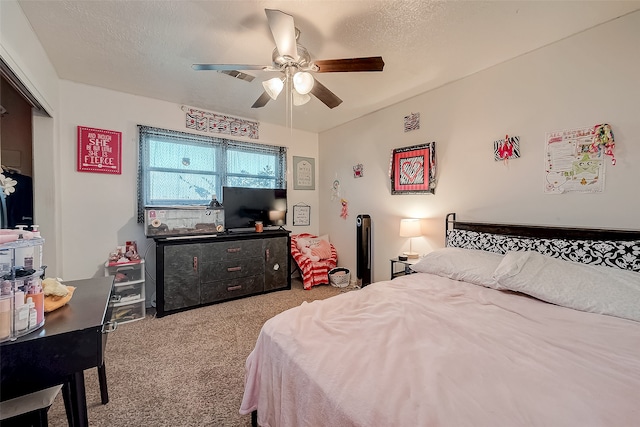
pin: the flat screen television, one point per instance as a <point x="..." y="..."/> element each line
<point x="244" y="206"/>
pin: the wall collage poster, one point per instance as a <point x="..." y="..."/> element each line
<point x="573" y="162"/>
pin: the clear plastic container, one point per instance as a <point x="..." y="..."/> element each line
<point x="21" y="273"/>
<point x="183" y="221"/>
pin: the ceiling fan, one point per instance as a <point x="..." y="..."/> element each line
<point x="293" y="60"/>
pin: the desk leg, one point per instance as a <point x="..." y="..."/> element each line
<point x="75" y="400"/>
<point x="102" y="379"/>
<point x="66" y="395"/>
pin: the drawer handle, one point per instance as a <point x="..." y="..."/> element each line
<point x="230" y="269"/>
<point x="195" y="263"/>
<point x="234" y="288"/>
<point x="121" y="269"/>
<point x="109" y="327"/>
<point x="267" y="253"/>
<point x="233" y="250"/>
<point x="116" y="298"/>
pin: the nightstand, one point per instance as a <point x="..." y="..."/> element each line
<point x="405" y="265"/>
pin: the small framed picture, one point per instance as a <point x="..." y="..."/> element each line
<point x="301" y="214"/>
<point x="413" y="169"/>
<point x="304" y="173"/>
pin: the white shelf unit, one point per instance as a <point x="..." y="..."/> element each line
<point x="128" y="301"/>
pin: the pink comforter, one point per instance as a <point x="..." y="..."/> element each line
<point x="423" y="350"/>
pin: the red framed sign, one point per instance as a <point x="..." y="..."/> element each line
<point x="413" y="169"/>
<point x="99" y="150"/>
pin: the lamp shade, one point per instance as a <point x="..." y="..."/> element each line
<point x="273" y="87"/>
<point x="410" y="228"/>
<point x="299" y="99"/>
<point x="277" y="217"/>
<point x="303" y="82"/>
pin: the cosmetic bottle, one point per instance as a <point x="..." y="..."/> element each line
<point x="33" y="314"/>
<point x="35" y="229"/>
<point x="21" y="320"/>
<point x="5" y="317"/>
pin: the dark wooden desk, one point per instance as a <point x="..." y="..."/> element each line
<point x="70" y="341"/>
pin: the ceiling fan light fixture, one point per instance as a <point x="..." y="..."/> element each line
<point x="300" y="99"/>
<point x="273" y="87"/>
<point x="303" y="82"/>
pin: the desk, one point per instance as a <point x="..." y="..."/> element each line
<point x="70" y="341"/>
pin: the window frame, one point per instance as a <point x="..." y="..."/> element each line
<point x="220" y="175"/>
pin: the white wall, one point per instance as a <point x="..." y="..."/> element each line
<point x="99" y="210"/>
<point x="587" y="79"/>
<point x="23" y="53"/>
<point x="21" y="50"/>
<point x="84" y="216"/>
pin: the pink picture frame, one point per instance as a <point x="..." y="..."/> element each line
<point x="413" y="169"/>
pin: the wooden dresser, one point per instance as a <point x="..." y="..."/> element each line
<point x="199" y="270"/>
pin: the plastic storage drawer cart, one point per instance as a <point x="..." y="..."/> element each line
<point x="128" y="301"/>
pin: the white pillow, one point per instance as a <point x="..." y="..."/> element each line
<point x="468" y="265"/>
<point x="591" y="288"/>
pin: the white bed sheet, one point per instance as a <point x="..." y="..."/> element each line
<point x="424" y="350"/>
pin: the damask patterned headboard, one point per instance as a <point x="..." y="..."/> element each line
<point x="613" y="248"/>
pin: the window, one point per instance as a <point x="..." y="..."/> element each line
<point x="178" y="168"/>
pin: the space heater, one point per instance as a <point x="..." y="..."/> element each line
<point x="363" y="250"/>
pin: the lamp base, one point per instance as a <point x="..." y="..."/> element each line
<point x="411" y="255"/>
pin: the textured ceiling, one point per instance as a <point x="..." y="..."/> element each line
<point x="147" y="47"/>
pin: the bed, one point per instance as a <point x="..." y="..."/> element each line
<point x="315" y="256"/>
<point x="505" y="326"/>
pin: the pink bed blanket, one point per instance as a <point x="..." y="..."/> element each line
<point x="423" y="350"/>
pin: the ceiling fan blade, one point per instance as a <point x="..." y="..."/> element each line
<point x="238" y="75"/>
<point x="325" y="95"/>
<point x="227" y="67"/>
<point x="262" y="101"/>
<point x="372" y="63"/>
<point x="284" y="32"/>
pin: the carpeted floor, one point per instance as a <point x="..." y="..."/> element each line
<point x="185" y="369"/>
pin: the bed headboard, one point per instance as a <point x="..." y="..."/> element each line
<point x="614" y="248"/>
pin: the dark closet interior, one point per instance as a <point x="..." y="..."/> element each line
<point x="16" y="156"/>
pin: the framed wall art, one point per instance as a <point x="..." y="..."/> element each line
<point x="413" y="169"/>
<point x="304" y="173"/>
<point x="301" y="214"/>
<point x="99" y="150"/>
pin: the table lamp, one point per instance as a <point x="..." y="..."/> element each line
<point x="410" y="228"/>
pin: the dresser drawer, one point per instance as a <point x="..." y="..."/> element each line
<point x="231" y="269"/>
<point x="221" y="290"/>
<point x="231" y="250"/>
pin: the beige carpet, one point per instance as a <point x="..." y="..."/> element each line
<point x="185" y="369"/>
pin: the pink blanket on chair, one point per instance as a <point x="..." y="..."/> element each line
<point x="314" y="272"/>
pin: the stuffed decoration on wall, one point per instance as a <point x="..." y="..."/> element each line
<point x="344" y="212"/>
<point x="603" y="140"/>
<point x="507" y="148"/>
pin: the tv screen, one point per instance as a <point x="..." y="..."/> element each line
<point x="244" y="206"/>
